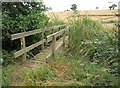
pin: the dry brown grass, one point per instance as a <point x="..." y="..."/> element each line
<point x="99" y="15"/>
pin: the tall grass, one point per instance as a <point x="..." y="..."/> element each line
<point x="91" y="60"/>
<point x="89" y="39"/>
<point x="54" y="20"/>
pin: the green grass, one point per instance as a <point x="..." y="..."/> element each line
<point x="91" y="60"/>
<point x="62" y="71"/>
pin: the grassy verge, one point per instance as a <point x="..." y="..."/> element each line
<point x="62" y="71"/>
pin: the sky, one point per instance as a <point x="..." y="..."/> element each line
<point x="61" y="5"/>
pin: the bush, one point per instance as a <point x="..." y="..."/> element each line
<point x="90" y="40"/>
<point x="20" y="17"/>
<point x="7" y="56"/>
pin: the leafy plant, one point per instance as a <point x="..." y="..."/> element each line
<point x="86" y="40"/>
<point x="21" y="17"/>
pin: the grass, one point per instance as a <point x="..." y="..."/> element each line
<point x="91" y="60"/>
<point x="67" y="14"/>
<point x="62" y="71"/>
<point x="55" y="21"/>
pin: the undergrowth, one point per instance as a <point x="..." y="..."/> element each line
<point x="63" y="71"/>
<point x="89" y="39"/>
<point x="91" y="60"/>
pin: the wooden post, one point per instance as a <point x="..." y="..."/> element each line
<point x="53" y="46"/>
<point x="52" y="31"/>
<point x="42" y="46"/>
<point x="59" y="30"/>
<point x="64" y="35"/>
<point x="22" y="40"/>
<point x="69" y="36"/>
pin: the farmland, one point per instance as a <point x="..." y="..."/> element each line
<point x="94" y="14"/>
<point x="106" y="16"/>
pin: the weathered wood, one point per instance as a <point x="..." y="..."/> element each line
<point x="22" y="51"/>
<point x="22" y="40"/>
<point x="64" y="35"/>
<point x="59" y="44"/>
<point x="53" y="46"/>
<point x="33" y="32"/>
<point x="49" y="38"/>
<point x="42" y="46"/>
<point x="59" y="33"/>
<point x="52" y="37"/>
<point x="56" y="34"/>
<point x="53" y="28"/>
<point x="24" y="34"/>
<point x="59" y="30"/>
<point x="66" y="38"/>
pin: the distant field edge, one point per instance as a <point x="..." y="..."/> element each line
<point x="101" y="15"/>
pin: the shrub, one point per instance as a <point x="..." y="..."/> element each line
<point x="20" y="17"/>
<point x="90" y="40"/>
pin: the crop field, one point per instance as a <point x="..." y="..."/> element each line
<point x="98" y="15"/>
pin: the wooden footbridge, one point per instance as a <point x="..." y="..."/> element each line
<point x="58" y="38"/>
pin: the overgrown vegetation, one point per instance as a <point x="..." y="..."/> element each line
<point x="61" y="71"/>
<point x="21" y="17"/>
<point x="91" y="60"/>
<point x="90" y="40"/>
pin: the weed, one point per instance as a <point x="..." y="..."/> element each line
<point x="39" y="75"/>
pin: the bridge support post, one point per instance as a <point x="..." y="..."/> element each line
<point x="42" y="46"/>
<point x="53" y="46"/>
<point x="64" y="35"/>
<point x="22" y="40"/>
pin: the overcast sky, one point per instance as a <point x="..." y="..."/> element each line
<point x="61" y="5"/>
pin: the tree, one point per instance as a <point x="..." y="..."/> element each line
<point x="20" y="17"/>
<point x="97" y="7"/>
<point x="73" y="7"/>
<point x="112" y="6"/>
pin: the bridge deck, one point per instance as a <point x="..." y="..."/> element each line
<point x="41" y="58"/>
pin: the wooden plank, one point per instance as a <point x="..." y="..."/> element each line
<point x="53" y="27"/>
<point x="24" y="34"/>
<point x="22" y="40"/>
<point x="50" y="37"/>
<point x="33" y="32"/>
<point x="66" y="38"/>
<point x="59" y="32"/>
<point x="22" y="51"/>
<point x="59" y="44"/>
<point x="17" y="36"/>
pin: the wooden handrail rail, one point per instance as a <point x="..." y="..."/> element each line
<point x="22" y="51"/>
<point x="33" y="32"/>
<point x="52" y="37"/>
